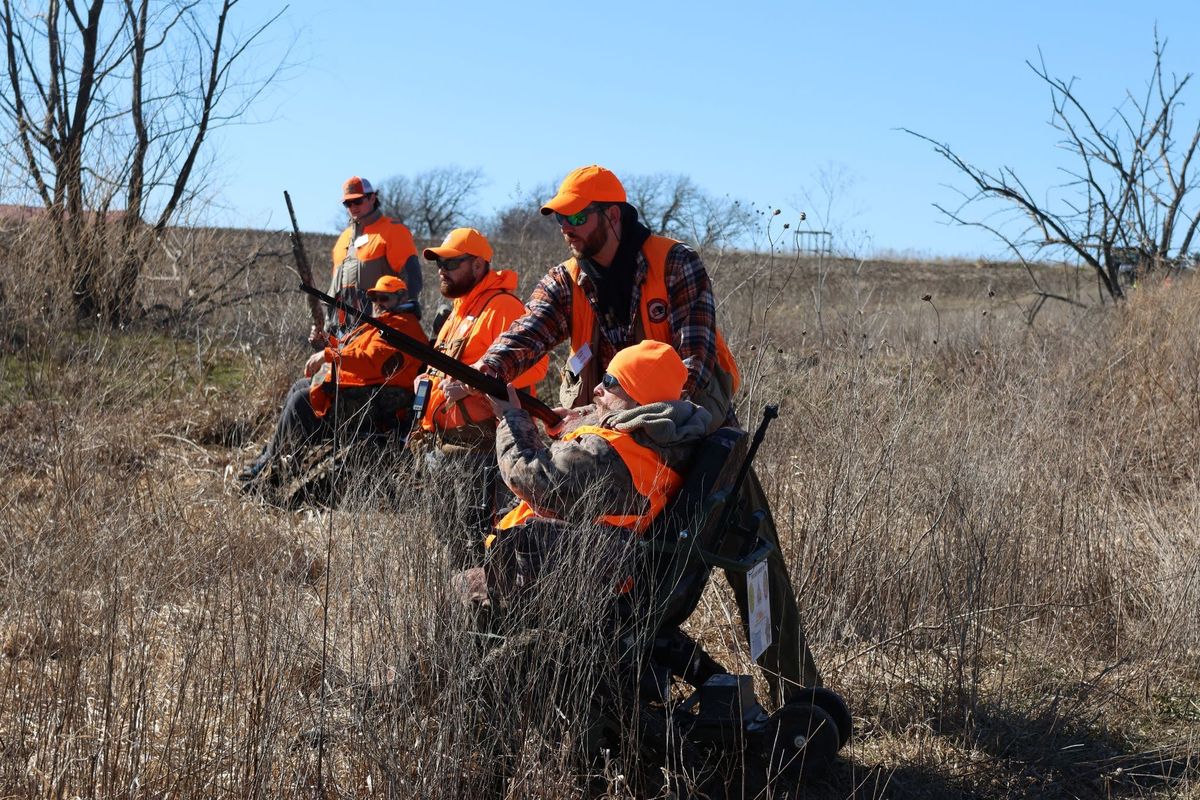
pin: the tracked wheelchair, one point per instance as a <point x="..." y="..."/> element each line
<point x="672" y="705"/>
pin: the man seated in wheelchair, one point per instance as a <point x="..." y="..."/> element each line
<point x="615" y="464"/>
<point x="359" y="382"/>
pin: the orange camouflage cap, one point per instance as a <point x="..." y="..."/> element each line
<point x="356" y="187"/>
<point x="649" y="372"/>
<point x="582" y="187"/>
<point x="461" y="242"/>
<point x="388" y="284"/>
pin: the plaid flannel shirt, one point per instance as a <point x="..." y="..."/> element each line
<point x="547" y="320"/>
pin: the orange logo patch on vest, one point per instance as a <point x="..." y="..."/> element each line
<point x="656" y="310"/>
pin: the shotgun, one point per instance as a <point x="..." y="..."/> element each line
<point x="439" y="360"/>
<point x="302" y="267"/>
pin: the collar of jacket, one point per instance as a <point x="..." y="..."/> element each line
<point x="496" y="280"/>
<point x="368" y="220"/>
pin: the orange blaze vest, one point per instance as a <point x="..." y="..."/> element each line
<point x="361" y="256"/>
<point x="652" y="479"/>
<point x="654" y="307"/>
<point x="454" y="337"/>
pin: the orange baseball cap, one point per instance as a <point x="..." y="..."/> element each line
<point x="649" y="371"/>
<point x="582" y="187"/>
<point x="461" y="242"/>
<point x="356" y="187"/>
<point x="388" y="284"/>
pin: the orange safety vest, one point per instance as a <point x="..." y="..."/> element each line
<point x="475" y="322"/>
<point x="654" y="307"/>
<point x="652" y="479"/>
<point x="361" y="256"/>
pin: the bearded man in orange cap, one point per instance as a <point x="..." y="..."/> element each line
<point x="365" y="380"/>
<point x="622" y="285"/>
<point x="457" y="440"/>
<point x="613" y="469"/>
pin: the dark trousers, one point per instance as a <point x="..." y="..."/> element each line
<point x="298" y="425"/>
<point x="466" y="490"/>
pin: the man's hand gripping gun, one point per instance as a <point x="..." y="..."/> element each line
<point x="439" y="360"/>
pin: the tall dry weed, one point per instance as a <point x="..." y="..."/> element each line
<point x="992" y="539"/>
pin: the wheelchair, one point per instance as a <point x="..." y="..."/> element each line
<point x="669" y="706"/>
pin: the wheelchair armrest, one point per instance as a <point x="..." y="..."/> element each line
<point x="761" y="551"/>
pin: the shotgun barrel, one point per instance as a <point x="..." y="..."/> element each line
<point x="439" y="360"/>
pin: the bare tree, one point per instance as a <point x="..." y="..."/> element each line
<point x="720" y="221"/>
<point x="107" y="107"/>
<point x="521" y="219"/>
<point x="665" y="201"/>
<point x="673" y="205"/>
<point x="432" y="202"/>
<point x="1128" y="200"/>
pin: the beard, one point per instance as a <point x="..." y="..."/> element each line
<point x="591" y="244"/>
<point x="454" y="287"/>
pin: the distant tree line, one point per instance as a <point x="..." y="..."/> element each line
<point x="435" y="200"/>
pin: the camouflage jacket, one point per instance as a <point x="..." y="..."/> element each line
<point x="585" y="478"/>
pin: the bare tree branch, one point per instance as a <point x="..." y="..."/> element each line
<point x="1127" y="195"/>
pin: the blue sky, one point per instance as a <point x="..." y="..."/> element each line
<point x="752" y="99"/>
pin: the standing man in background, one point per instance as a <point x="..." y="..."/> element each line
<point x="371" y="247"/>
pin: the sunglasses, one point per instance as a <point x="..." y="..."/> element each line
<point x="575" y="220"/>
<point x="451" y="264"/>
<point x="609" y="382"/>
<point x="357" y="201"/>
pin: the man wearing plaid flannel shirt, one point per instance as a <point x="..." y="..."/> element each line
<point x="621" y="285"/>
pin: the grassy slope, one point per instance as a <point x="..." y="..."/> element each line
<point x="993" y="537"/>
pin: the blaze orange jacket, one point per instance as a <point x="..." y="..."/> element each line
<point x="363" y="358"/>
<point x="652" y="478"/>
<point x="475" y="321"/>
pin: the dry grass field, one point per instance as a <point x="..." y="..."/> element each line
<point x="992" y="528"/>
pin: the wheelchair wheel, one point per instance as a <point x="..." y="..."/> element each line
<point x="798" y="742"/>
<point x="832" y="704"/>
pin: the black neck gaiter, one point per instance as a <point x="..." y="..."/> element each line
<point x="614" y="283"/>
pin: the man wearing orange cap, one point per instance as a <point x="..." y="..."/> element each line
<point x="360" y="376"/>
<point x="623" y="285"/>
<point x="616" y="468"/>
<point x="371" y="247"/>
<point x="458" y="427"/>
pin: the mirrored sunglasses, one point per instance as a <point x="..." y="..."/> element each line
<point x="575" y="220"/>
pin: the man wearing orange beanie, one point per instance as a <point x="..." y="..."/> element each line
<point x="615" y="468"/>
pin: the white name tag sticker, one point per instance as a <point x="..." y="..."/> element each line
<point x="759" y="602"/>
<point x="362" y="240"/>
<point x="582" y="356"/>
